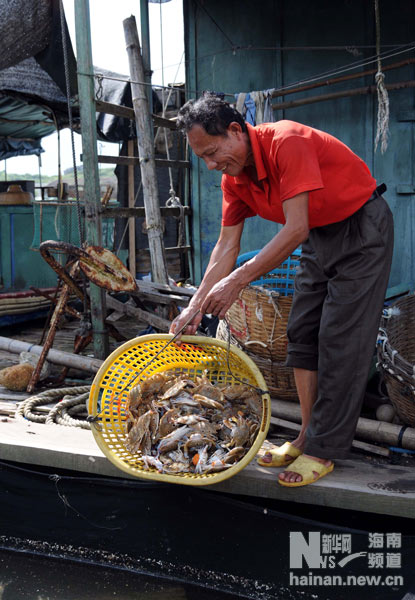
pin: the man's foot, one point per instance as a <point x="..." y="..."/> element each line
<point x="280" y="456"/>
<point x="304" y="470"/>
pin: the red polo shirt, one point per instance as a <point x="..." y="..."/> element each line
<point x="291" y="158"/>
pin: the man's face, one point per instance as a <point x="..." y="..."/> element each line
<point x="225" y="153"/>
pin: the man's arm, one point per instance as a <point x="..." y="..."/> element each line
<point x="221" y="263"/>
<point x="294" y="232"/>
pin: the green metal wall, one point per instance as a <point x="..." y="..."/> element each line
<point x="23" y="228"/>
<point x="241" y="46"/>
<point x="19" y="266"/>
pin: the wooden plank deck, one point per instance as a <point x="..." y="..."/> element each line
<point x="354" y="484"/>
<point x="362" y="484"/>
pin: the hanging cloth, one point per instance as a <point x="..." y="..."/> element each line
<point x="268" y="111"/>
<point x="258" y="98"/>
<point x="255" y="107"/>
<point x="246" y="106"/>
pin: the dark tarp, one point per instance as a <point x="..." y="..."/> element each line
<point x="109" y="127"/>
<point x="34" y="29"/>
<point x="31" y="104"/>
<point x="12" y="147"/>
<point x="51" y="58"/>
<point x="33" y="90"/>
<point x="28" y="83"/>
<point x="32" y="78"/>
<point x="25" y="29"/>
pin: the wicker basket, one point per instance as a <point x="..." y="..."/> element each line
<point x="258" y="321"/>
<point x="116" y="376"/>
<point x="396" y="356"/>
<point x="278" y="377"/>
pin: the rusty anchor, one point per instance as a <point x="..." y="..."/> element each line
<point x="101" y="267"/>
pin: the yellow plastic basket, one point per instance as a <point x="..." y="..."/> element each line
<point x="109" y="394"/>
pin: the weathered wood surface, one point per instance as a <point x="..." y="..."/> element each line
<point x="354" y="484"/>
<point x="128" y="113"/>
<point x="151" y="286"/>
<point x="146" y="153"/>
<point x="138" y="314"/>
<point x="9" y="401"/>
<point x="64" y="341"/>
<point x="139" y="211"/>
<point x="159" y="298"/>
<point x="132" y="161"/>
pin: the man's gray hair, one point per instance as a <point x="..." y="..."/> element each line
<point x="211" y="112"/>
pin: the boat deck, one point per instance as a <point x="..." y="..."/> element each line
<point x="365" y="483"/>
<point x="358" y="484"/>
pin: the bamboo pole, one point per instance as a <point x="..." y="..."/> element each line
<point x="57" y="357"/>
<point x="368" y="429"/>
<point x="131" y="220"/>
<point x="355" y="444"/>
<point x="368" y="89"/>
<point x="334" y="80"/>
<point x="146" y="153"/>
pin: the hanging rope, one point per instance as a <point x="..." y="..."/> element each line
<point x="68" y="100"/>
<point x="164" y="105"/>
<point x="39" y="160"/>
<point x="173" y="200"/>
<point x="382" y="132"/>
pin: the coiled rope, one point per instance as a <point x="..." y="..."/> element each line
<point x="72" y="402"/>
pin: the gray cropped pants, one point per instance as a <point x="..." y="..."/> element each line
<point x="339" y="294"/>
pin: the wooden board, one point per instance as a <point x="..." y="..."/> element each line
<point x="354" y="484"/>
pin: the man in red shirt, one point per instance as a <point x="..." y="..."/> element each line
<point x="327" y="200"/>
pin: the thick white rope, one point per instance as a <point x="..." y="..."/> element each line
<point x="73" y="399"/>
<point x="382" y="132"/>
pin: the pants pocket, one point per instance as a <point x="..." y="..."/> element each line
<point x="380" y="218"/>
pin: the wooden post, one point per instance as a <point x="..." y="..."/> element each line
<point x="145" y="51"/>
<point x="146" y="153"/>
<point x="131" y="220"/>
<point x="92" y="193"/>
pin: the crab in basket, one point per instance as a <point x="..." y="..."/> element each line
<point x="181" y="425"/>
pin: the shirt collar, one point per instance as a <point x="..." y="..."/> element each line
<point x="256" y="151"/>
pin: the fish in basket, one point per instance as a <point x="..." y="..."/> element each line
<point x="193" y="414"/>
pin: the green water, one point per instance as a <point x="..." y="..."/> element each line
<point x="30" y="577"/>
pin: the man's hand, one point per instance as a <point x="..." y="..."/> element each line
<point x="220" y="265"/>
<point x="182" y="318"/>
<point x="222" y="296"/>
